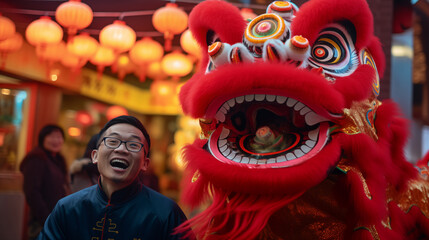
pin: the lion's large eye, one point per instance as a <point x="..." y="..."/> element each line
<point x="334" y="51"/>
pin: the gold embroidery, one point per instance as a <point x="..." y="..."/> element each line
<point x="359" y="118"/>
<point x="345" y="166"/>
<point x="386" y="223"/>
<point x="372" y="230"/>
<point x="417" y="194"/>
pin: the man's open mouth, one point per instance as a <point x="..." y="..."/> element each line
<point x="119" y="164"/>
<point x="267" y="131"/>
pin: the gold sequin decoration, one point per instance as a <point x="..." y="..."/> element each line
<point x="386" y="223"/>
<point x="372" y="230"/>
<point x="345" y="165"/>
<point x="355" y="118"/>
<point x="417" y="194"/>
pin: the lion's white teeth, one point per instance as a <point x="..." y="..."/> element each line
<point x="290" y="102"/>
<point x="249" y="97"/>
<point x="290" y="156"/>
<point x="220" y="116"/>
<point x="281" y="99"/>
<point x="259" y="97"/>
<point x="314" y="134"/>
<point x="298" y="106"/>
<point x="224" y="134"/>
<point x="231" y="102"/>
<point x="310" y="143"/>
<point x="311" y="118"/>
<point x="271" y="98"/>
<point x="239" y="99"/>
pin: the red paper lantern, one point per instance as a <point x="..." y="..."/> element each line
<point x="115" y="111"/>
<point x="190" y="45"/>
<point x="170" y="20"/>
<point x="102" y="58"/>
<point x="9" y="45"/>
<point x="51" y="52"/>
<point x="73" y="62"/>
<point x="83" y="46"/>
<point x="7" y="28"/>
<point x="118" y="36"/>
<point x="74" y="15"/>
<point x="176" y="64"/>
<point x="123" y="65"/>
<point x="43" y="31"/>
<point x="84" y="118"/>
<point x="144" y="52"/>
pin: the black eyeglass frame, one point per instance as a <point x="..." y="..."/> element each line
<point x="120" y="142"/>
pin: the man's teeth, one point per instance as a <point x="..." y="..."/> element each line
<point x="311" y="118"/>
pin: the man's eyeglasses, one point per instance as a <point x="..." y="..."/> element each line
<point x="132" y="146"/>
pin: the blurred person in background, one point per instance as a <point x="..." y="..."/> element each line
<point x="84" y="173"/>
<point x="45" y="177"/>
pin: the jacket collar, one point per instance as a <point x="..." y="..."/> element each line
<point x="122" y="195"/>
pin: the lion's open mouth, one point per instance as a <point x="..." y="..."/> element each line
<point x="267" y="131"/>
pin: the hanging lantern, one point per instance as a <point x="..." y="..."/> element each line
<point x="7" y="28"/>
<point x="154" y="71"/>
<point x="118" y="36"/>
<point x="248" y="14"/>
<point x="170" y="20"/>
<point x="73" y="15"/>
<point x="144" y="52"/>
<point x="163" y="92"/>
<point x="51" y="52"/>
<point x="176" y="64"/>
<point x="71" y="61"/>
<point x="84" y="118"/>
<point x="9" y="45"/>
<point x="83" y="46"/>
<point x="190" y="45"/>
<point x="115" y="111"/>
<point x="43" y="31"/>
<point x="103" y="57"/>
<point x="123" y="65"/>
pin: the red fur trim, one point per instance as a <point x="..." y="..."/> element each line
<point x="200" y="91"/>
<point x="314" y="15"/>
<point x="412" y="224"/>
<point x="392" y="129"/>
<point x="231" y="216"/>
<point x="357" y="86"/>
<point x="219" y="16"/>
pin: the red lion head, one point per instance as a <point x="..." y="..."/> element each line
<point x="288" y="109"/>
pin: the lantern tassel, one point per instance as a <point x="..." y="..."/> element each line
<point x="3" y="56"/>
<point x="100" y="69"/>
<point x="142" y="73"/>
<point x="168" y="37"/>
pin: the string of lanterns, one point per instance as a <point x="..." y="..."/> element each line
<point x="117" y="46"/>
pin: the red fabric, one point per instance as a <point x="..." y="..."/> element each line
<point x="244" y="199"/>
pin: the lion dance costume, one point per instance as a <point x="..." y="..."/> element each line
<point x="294" y="142"/>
